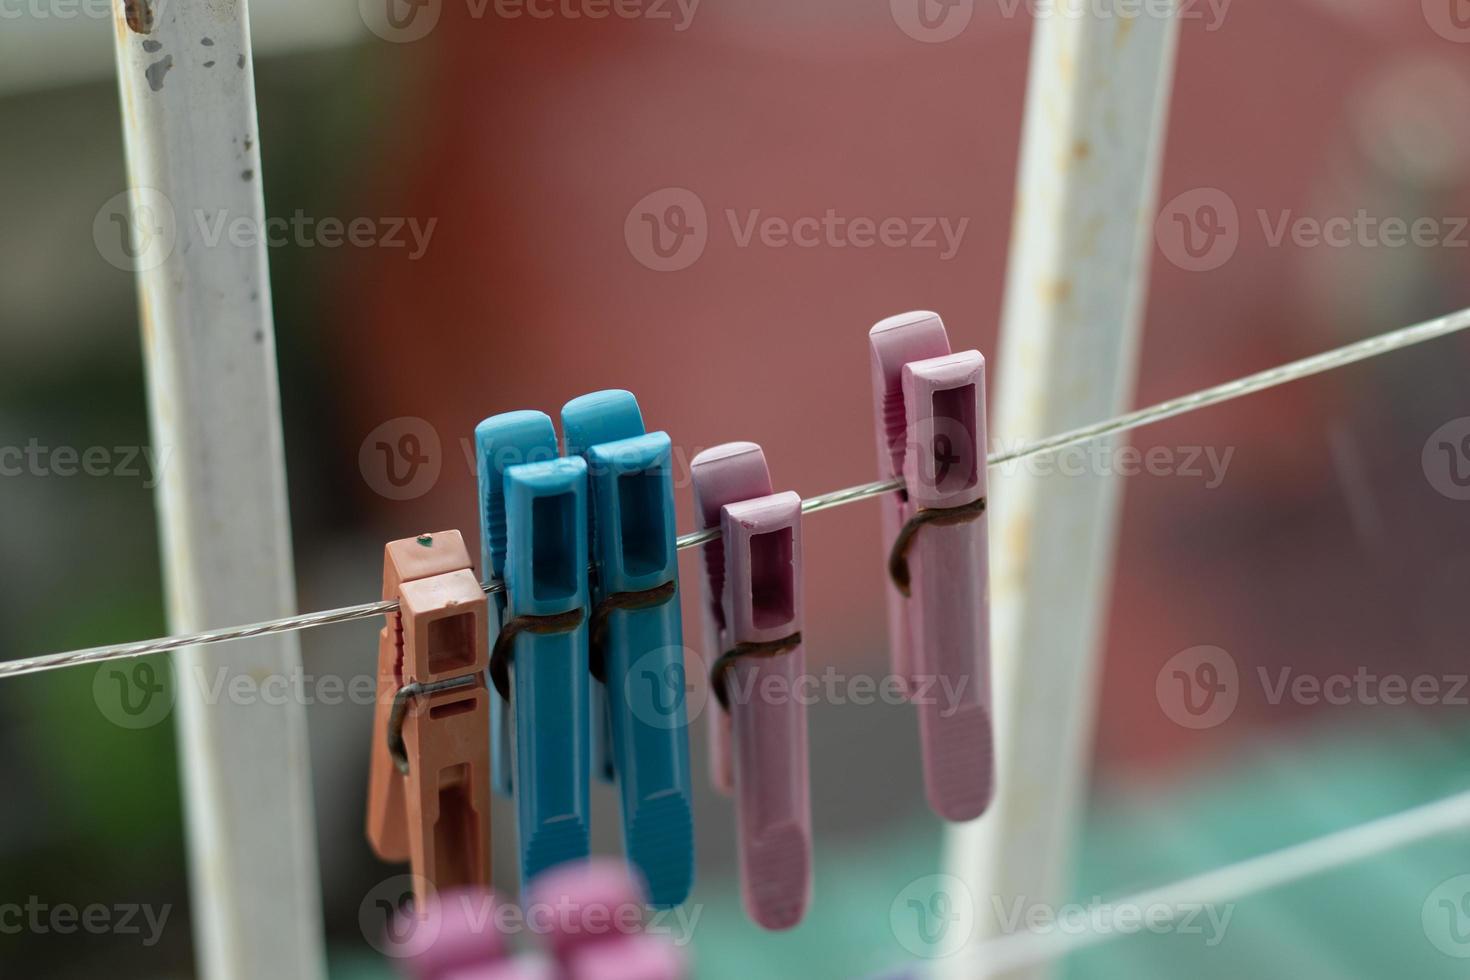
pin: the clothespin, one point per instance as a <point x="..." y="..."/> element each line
<point x="539" y="661"/>
<point x="598" y="933"/>
<point x="606" y="416"/>
<point x="501" y="442"/>
<point x="753" y="622"/>
<point x="929" y="406"/>
<point x="429" y="785"/>
<point x="637" y="629"/>
<point x="458" y="935"/>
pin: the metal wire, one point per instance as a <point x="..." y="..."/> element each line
<point x="1341" y="357"/>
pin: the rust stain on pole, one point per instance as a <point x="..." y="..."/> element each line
<point x="139" y="15"/>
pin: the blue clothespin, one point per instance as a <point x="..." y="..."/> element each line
<point x="502" y="442"/>
<point x="605" y="416"/>
<point x="539" y="663"/>
<point x="637" y="632"/>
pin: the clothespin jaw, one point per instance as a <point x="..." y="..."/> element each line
<point x="931" y="420"/>
<point x="756" y="678"/>
<point x="501" y="442"/>
<point x="603" y="416"/>
<point x="429" y="786"/>
<point x="895" y="342"/>
<point x="733" y="471"/>
<point x="637" y="626"/>
<point x="540" y="658"/>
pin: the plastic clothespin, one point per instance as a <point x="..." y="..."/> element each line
<point x="539" y="661"/>
<point x="460" y="939"/>
<point x="606" y="416"/>
<point x="929" y="406"/>
<point x="637" y="651"/>
<point x="592" y="917"/>
<point x="429" y="785"/>
<point x="753" y="622"/>
<point x="506" y="440"/>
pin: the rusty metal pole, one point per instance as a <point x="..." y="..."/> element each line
<point x="188" y="101"/>
<point x="1096" y="107"/>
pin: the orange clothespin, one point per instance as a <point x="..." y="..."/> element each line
<point x="429" y="786"/>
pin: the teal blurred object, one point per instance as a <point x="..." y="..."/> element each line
<point x="1365" y="921"/>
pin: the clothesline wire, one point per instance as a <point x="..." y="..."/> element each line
<point x="1212" y="889"/>
<point x="1341" y="357"/>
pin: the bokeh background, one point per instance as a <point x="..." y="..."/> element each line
<point x="1331" y="543"/>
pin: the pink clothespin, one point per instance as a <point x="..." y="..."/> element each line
<point x="929" y="406"/>
<point x="591" y="916"/>
<point x="458" y="938"/>
<point x="753" y="622"/>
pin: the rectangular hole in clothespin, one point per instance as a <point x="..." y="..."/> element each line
<point x="454" y="831"/>
<point x="554" y="523"/>
<point x="956" y="468"/>
<point x="451" y="644"/>
<point x="640" y="506"/>
<point x="772" y="585"/>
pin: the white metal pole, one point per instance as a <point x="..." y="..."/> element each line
<point x="188" y="102"/>
<point x="1096" y="106"/>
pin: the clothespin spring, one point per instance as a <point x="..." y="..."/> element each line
<point x="647" y="599"/>
<point x="898" y="558"/>
<point x="396" y="747"/>
<point x="770" y="648"/>
<point x="505" y="644"/>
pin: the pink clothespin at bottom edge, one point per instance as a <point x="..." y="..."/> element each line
<point x="758" y="726"/>
<point x="929" y="406"/>
<point x="593" y="912"/>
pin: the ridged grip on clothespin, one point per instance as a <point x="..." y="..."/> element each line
<point x="503" y="441"/>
